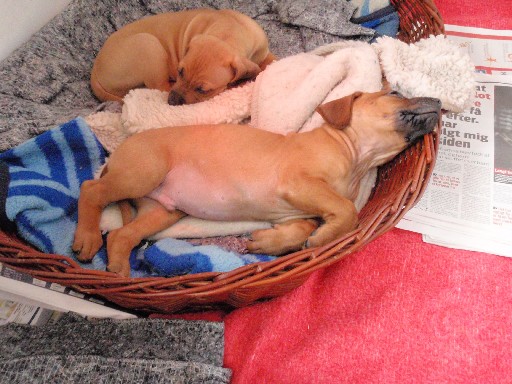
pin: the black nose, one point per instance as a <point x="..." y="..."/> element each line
<point x="175" y="98"/>
<point x="435" y="102"/>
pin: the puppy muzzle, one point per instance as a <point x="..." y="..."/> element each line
<point x="175" y="98"/>
<point x="420" y="118"/>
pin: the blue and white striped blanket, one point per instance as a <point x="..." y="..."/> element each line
<point x="40" y="184"/>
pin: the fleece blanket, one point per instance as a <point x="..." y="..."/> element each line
<point x="398" y="311"/>
<point x="42" y="179"/>
<point x="283" y="98"/>
<point x="74" y="350"/>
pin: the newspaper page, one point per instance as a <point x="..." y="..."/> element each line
<point x="470" y="191"/>
<point x="21" y="313"/>
<point x="490" y="50"/>
<point x="28" y="300"/>
<point x="468" y="202"/>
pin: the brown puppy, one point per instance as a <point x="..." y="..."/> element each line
<point x="201" y="52"/>
<point x="235" y="172"/>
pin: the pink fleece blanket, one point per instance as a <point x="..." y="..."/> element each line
<point x="398" y="311"/>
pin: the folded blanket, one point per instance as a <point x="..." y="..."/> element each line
<point x="288" y="92"/>
<point x="42" y="179"/>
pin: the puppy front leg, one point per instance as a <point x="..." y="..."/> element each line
<point x="282" y="238"/>
<point x="151" y="218"/>
<point x="315" y="196"/>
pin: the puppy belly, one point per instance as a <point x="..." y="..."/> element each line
<point x="213" y="197"/>
<point x="195" y="202"/>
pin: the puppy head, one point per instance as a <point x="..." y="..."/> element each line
<point x="208" y="67"/>
<point x="382" y="124"/>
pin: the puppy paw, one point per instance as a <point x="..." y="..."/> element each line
<point x="86" y="244"/>
<point x="119" y="247"/>
<point x="121" y="268"/>
<point x="282" y="238"/>
<point x="264" y="241"/>
<point x="328" y="233"/>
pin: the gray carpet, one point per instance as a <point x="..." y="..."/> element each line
<point x="75" y="350"/>
<point x="46" y="81"/>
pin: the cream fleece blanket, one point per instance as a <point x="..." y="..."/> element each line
<point x="283" y="99"/>
<point x="433" y="67"/>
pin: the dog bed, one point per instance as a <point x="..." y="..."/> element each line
<point x="45" y="83"/>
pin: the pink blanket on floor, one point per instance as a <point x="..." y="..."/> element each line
<point x="398" y="311"/>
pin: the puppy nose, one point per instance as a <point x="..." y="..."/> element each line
<point x="175" y="98"/>
<point x="434" y="101"/>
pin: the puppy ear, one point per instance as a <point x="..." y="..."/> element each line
<point x="338" y="113"/>
<point x="385" y="85"/>
<point x="243" y="69"/>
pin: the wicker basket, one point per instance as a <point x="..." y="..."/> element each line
<point x="399" y="186"/>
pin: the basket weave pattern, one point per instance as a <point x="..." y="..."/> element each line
<point x="399" y="186"/>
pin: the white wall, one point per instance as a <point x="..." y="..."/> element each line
<point x="20" y="19"/>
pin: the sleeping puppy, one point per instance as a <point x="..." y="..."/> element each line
<point x="194" y="54"/>
<point x="235" y="172"/>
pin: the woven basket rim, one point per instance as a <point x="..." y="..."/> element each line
<point x="254" y="282"/>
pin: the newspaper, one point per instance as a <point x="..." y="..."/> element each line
<point x="27" y="300"/>
<point x="468" y="201"/>
<point x="491" y="50"/>
<point x="17" y="312"/>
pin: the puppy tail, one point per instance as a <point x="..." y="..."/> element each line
<point x="126" y="211"/>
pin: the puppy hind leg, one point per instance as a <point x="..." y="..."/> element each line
<point x="127" y="63"/>
<point x="151" y="218"/>
<point x="133" y="170"/>
<point x="87" y="240"/>
<point x="282" y="238"/>
<point x="153" y="65"/>
<point x="128" y="176"/>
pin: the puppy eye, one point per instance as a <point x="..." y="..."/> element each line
<point x="201" y="90"/>
<point x="180" y="72"/>
<point x="397" y="94"/>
